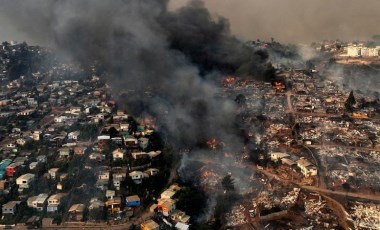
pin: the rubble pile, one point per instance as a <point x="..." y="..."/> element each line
<point x="291" y="197"/>
<point x="312" y="206"/>
<point x="209" y="177"/>
<point x="366" y="215"/>
<point x="236" y="216"/>
<point x="265" y="200"/>
<point x="320" y="215"/>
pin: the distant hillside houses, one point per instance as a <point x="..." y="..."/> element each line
<point x="362" y="51"/>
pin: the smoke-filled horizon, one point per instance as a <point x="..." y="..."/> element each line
<point x="288" y="21"/>
<point x="295" y="21"/>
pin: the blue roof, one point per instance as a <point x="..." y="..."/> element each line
<point x="4" y="163"/>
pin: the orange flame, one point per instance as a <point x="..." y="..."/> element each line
<point x="208" y="174"/>
<point x="228" y="80"/>
<point x="212" y="143"/>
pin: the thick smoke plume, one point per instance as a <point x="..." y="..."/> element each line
<point x="177" y="55"/>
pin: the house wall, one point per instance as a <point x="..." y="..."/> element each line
<point x="52" y="209"/>
<point x="8" y="210"/>
<point x="133" y="203"/>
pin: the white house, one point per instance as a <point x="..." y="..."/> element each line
<point x="356" y="51"/>
<point x="139" y="155"/>
<point x="117" y="178"/>
<point x="182" y="226"/>
<point x="54" y="201"/>
<point x="25" y="180"/>
<point x="73" y="135"/>
<point x="116" y="184"/>
<point x="21" y="141"/>
<point x="41" y="158"/>
<point x="307" y="168"/>
<point x="75" y="110"/>
<point x="10" y="207"/>
<point x="353" y="51"/>
<point x="95" y="203"/>
<point x="152" y="171"/>
<point x="104" y="137"/>
<point x="276" y="156"/>
<point x="167" y="194"/>
<point x="104" y="175"/>
<point x="97" y="156"/>
<point x="143" y="142"/>
<point x="153" y="154"/>
<point x="33" y="165"/>
<point x="110" y="194"/>
<point x="179" y="216"/>
<point x="26" y="112"/>
<point x="100" y="116"/>
<point x="37" y="202"/>
<point x="60" y="119"/>
<point x="10" y="145"/>
<point x="136" y="176"/>
<point x="118" y="154"/>
<point x="53" y="172"/>
<point x="166" y="206"/>
<point x="130" y="141"/>
<point x="36" y="135"/>
<point x="123" y="126"/>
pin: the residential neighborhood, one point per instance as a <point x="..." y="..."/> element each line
<point x="68" y="154"/>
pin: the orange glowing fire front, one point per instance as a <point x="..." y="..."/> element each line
<point x="208" y="174"/>
<point x="228" y="80"/>
<point x="279" y="85"/>
<point x="212" y="143"/>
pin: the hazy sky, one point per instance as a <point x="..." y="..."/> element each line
<point x="299" y="20"/>
<point x="285" y="20"/>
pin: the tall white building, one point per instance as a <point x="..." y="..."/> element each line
<point x="353" y="51"/>
<point x="361" y="51"/>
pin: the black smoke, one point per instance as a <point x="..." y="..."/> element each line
<point x="208" y="43"/>
<point x="175" y="55"/>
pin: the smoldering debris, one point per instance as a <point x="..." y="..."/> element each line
<point x="207" y="168"/>
<point x="356" y="78"/>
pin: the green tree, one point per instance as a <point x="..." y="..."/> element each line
<point x="203" y="226"/>
<point x="132" y="125"/>
<point x="113" y="132"/>
<point x="240" y="99"/>
<point x="346" y="186"/>
<point x="350" y="102"/>
<point x="96" y="214"/>
<point x="228" y="183"/>
<point x="190" y="200"/>
<point x="134" y="227"/>
<point x="88" y="131"/>
<point x="155" y="142"/>
<point x="376" y="37"/>
<point x="94" y="110"/>
<point x="224" y="202"/>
